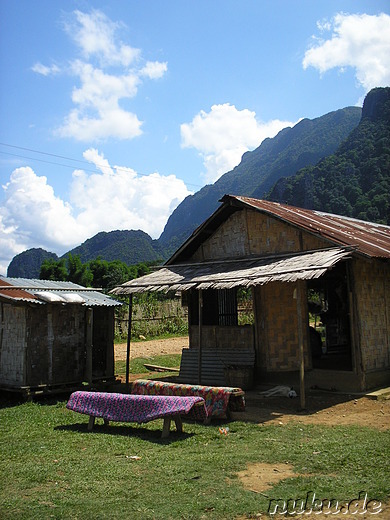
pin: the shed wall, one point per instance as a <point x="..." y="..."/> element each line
<point x="12" y="344"/>
<point x="56" y="344"/>
<point x="103" y="342"/>
<point x="372" y="286"/>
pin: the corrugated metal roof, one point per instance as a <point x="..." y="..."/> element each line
<point x="369" y="238"/>
<point x="16" y="294"/>
<point x="236" y="273"/>
<point x="43" y="291"/>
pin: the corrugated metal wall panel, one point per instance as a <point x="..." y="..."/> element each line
<point x="214" y="361"/>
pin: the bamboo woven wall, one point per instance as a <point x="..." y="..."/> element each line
<point x="12" y="344"/>
<point x="216" y="336"/>
<point x="56" y="344"/>
<point x="46" y="344"/>
<point x="277" y="342"/>
<point x="249" y="232"/>
<point x="372" y="285"/>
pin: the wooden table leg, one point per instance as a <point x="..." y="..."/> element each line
<point x="179" y="423"/>
<point x="166" y="427"/>
<point x="91" y="423"/>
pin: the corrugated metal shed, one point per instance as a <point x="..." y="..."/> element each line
<point x="44" y="291"/>
<point x="236" y="273"/>
<point x="369" y="238"/>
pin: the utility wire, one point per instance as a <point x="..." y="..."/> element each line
<point x="118" y="168"/>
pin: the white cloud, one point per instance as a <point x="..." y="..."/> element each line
<point x="222" y="135"/>
<point x="360" y="41"/>
<point x="108" y="72"/>
<point x="113" y="122"/>
<point x="39" y="68"/>
<point x="154" y="69"/>
<point x="112" y="198"/>
<point x="119" y="198"/>
<point x="95" y="35"/>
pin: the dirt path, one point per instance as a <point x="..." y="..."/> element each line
<point x="151" y="348"/>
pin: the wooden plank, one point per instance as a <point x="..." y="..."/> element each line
<point x="157" y="368"/>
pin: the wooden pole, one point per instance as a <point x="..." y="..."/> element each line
<point x="300" y="344"/>
<point x="129" y="340"/>
<point x="200" y="336"/>
<point x="89" y="365"/>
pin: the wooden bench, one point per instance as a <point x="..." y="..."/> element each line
<point x="136" y="408"/>
<point x="218" y="400"/>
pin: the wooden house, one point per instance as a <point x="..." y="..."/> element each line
<point x="320" y="289"/>
<point x="54" y="335"/>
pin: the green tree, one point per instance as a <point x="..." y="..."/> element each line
<point x="117" y="274"/>
<point x="99" y="269"/>
<point x="53" y="270"/>
<point x="78" y="272"/>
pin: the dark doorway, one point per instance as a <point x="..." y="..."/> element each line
<point x="329" y="320"/>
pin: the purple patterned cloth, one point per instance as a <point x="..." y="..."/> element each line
<point x="135" y="408"/>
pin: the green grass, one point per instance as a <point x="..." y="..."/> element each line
<point x="51" y="467"/>
<point x="137" y="364"/>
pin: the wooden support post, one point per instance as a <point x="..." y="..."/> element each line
<point x="200" y="337"/>
<point x="89" y="338"/>
<point x="299" y="294"/>
<point x="129" y="340"/>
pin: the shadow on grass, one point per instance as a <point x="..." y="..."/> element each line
<point x="126" y="431"/>
<point x="10" y="399"/>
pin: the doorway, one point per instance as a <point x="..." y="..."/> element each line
<point x="329" y="320"/>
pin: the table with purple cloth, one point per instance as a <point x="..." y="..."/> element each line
<point x="219" y="400"/>
<point x="137" y="408"/>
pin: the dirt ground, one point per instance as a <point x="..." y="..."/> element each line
<point x="325" y="408"/>
<point x="322" y="407"/>
<point x="151" y="348"/>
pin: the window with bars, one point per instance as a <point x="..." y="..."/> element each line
<point x="219" y="307"/>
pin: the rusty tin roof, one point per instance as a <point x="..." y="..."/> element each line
<point x="368" y="238"/>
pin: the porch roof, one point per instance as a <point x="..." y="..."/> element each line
<point x="227" y="274"/>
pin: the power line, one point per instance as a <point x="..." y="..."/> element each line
<point x="118" y="168"/>
<point x="43" y="153"/>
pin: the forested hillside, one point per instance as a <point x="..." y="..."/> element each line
<point x="355" y="180"/>
<point x="28" y="264"/>
<point x="130" y="247"/>
<point x="293" y="148"/>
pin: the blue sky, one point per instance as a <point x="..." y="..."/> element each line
<point x="113" y="111"/>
